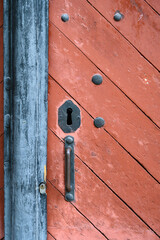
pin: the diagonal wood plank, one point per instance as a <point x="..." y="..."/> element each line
<point x="94" y="199"/>
<point x="50" y="237"/>
<point x="65" y="222"/>
<point x="124" y="121"/>
<point x="108" y="160"/>
<point x="110" y="52"/>
<point x="140" y="25"/>
<point x="154" y="4"/>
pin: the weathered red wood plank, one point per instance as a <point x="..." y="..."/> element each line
<point x="110" y="162"/>
<point x="110" y="52"/>
<point x="65" y="222"/>
<point x="155" y="4"/>
<point x="1" y="214"/>
<point x="141" y="25"/>
<point x="1" y="13"/>
<point x="123" y="119"/>
<point x="1" y="108"/>
<point x="1" y="163"/>
<point x="93" y="199"/>
<point x="49" y="237"/>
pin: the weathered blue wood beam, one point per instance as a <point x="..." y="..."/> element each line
<point x="25" y="117"/>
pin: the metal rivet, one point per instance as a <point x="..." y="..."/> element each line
<point x="97" y="79"/>
<point x="69" y="140"/>
<point x="69" y="197"/>
<point x="118" y="16"/>
<point x="65" y="17"/>
<point x="99" y="122"/>
<point x="42" y="188"/>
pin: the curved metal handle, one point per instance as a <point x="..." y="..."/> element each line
<point x="68" y="169"/>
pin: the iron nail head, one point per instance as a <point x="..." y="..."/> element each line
<point x="65" y="17"/>
<point x="118" y="16"/>
<point x="69" y="197"/>
<point x="99" y="122"/>
<point x="97" y="79"/>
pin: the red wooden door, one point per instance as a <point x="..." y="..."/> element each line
<point x="117" y="166"/>
<point x="117" y="169"/>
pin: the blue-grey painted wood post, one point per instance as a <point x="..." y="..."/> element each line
<point x="25" y="117"/>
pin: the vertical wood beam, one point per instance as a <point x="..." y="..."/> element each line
<point x="25" y="117"/>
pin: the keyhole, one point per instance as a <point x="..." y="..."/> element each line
<point x="69" y="116"/>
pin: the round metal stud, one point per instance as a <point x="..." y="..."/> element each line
<point x="69" y="197"/>
<point x="99" y="122"/>
<point x="65" y="17"/>
<point x="42" y="188"/>
<point x="118" y="16"/>
<point x="97" y="79"/>
<point x="69" y="140"/>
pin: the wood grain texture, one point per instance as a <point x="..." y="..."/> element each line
<point x="25" y="103"/>
<point x="65" y="222"/>
<point x="100" y="42"/>
<point x="49" y="237"/>
<point x="155" y="4"/>
<point x="140" y="25"/>
<point x="1" y="163"/>
<point x="107" y="159"/>
<point x="113" y="191"/>
<point x="93" y="199"/>
<point x="1" y="127"/>
<point x="1" y="213"/>
<point x="124" y="121"/>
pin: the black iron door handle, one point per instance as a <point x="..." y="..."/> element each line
<point x="69" y="168"/>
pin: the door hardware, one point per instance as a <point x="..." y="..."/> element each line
<point x="69" y="169"/>
<point x="99" y="122"/>
<point x="97" y="79"/>
<point x="69" y="118"/>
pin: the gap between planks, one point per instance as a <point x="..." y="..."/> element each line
<point x="108" y="132"/>
<point x="151" y="7"/>
<point x="107" y="76"/>
<point x="80" y="211"/>
<point x="50" y="233"/>
<point x="130" y="208"/>
<point x="123" y="36"/>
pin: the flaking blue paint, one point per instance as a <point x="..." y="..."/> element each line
<point x="25" y="117"/>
